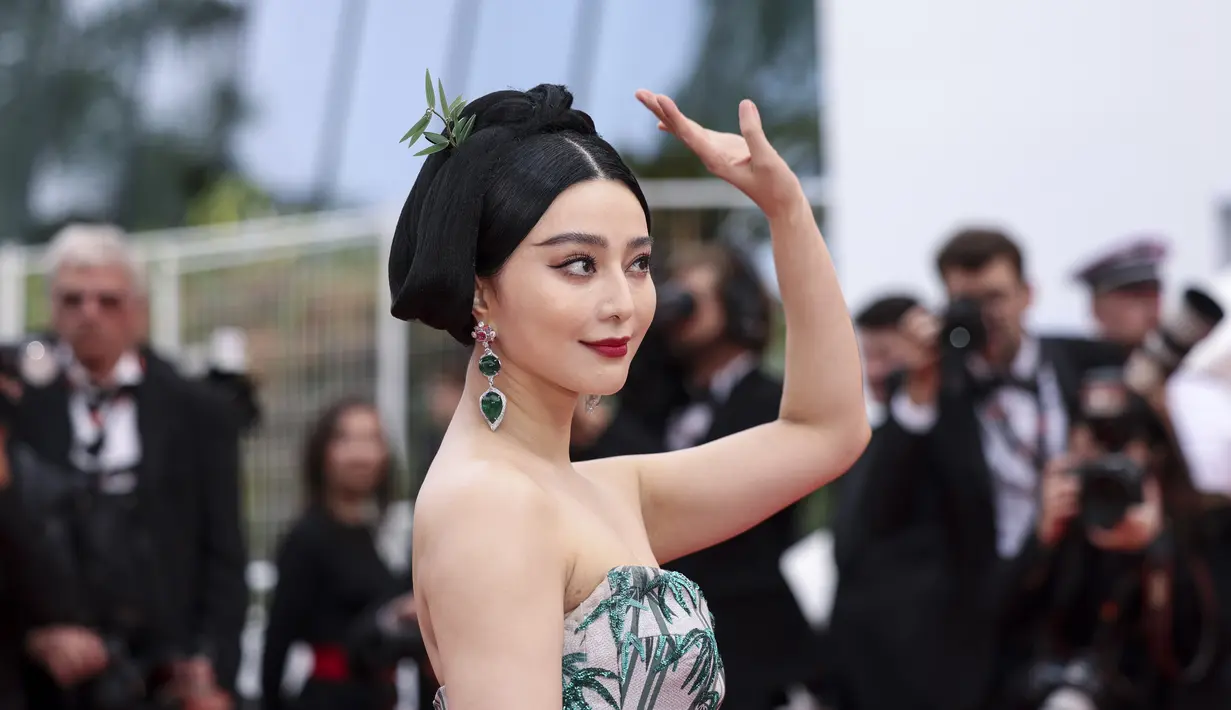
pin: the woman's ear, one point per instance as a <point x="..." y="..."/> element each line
<point x="481" y="308"/>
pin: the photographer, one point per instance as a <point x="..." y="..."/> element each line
<point x="716" y="317"/>
<point x="132" y="472"/>
<point x="1115" y="600"/>
<point x="946" y="492"/>
<point x="1126" y="284"/>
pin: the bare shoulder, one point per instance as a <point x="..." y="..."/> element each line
<point x="490" y="573"/>
<point x="475" y="510"/>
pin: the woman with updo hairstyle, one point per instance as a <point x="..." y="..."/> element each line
<point x="538" y="582"/>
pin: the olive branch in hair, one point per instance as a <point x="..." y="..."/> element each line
<point x="456" y="129"/>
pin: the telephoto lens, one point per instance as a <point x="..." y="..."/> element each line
<point x="1166" y="347"/>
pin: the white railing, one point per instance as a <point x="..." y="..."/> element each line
<point x="312" y="294"/>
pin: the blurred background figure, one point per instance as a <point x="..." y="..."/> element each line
<point x="132" y="472"/>
<point x="250" y="149"/>
<point x="720" y="324"/>
<point x="334" y="589"/>
<point x="884" y="348"/>
<point x="1126" y="286"/>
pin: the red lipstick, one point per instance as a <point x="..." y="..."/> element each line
<point x="611" y="347"/>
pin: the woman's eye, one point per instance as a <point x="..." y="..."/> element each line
<point x="641" y="264"/>
<point x="580" y="266"/>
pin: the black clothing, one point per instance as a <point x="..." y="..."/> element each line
<point x="624" y="436"/>
<point x="1060" y="604"/>
<point x="766" y="643"/>
<point x="919" y="573"/>
<point x="29" y="588"/>
<point x="329" y="575"/>
<point x="188" y="488"/>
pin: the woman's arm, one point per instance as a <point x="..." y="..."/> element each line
<point x="697" y="497"/>
<point x="489" y="578"/>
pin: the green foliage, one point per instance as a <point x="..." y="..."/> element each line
<point x="456" y="129"/>
<point x="70" y="99"/>
<point x="228" y="200"/>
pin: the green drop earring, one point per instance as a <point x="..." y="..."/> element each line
<point x="492" y="402"/>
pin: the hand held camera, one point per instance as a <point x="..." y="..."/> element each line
<point x="1165" y="348"/>
<point x="30" y="362"/>
<point x="962" y="328"/>
<point x="675" y="305"/>
<point x="1115" y="408"/>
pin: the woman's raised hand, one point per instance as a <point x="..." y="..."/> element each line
<point x="747" y="161"/>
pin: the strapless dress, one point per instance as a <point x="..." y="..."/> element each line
<point x="642" y="640"/>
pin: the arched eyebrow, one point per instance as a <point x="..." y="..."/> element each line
<point x="592" y="240"/>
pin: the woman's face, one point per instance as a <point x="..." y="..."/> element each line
<point x="573" y="302"/>
<point x="355" y="463"/>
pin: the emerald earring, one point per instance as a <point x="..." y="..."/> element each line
<point x="492" y="402"/>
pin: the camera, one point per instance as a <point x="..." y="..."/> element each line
<point x="30" y="361"/>
<point x="962" y="328"/>
<point x="379" y="640"/>
<point x="675" y="305"/>
<point x="1110" y="485"/>
<point x="1114" y="415"/>
<point x="1165" y="348"/>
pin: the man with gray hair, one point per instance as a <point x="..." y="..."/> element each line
<point x="122" y="420"/>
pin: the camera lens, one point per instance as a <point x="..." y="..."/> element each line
<point x="959" y="338"/>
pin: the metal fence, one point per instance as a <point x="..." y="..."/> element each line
<point x="310" y="292"/>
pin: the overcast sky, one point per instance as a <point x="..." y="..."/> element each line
<point x="288" y="52"/>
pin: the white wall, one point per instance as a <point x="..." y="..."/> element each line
<point x="1069" y="123"/>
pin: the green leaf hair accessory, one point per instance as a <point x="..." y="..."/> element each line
<point x="456" y="129"/>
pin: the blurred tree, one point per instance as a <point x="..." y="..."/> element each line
<point x="229" y="199"/>
<point x="72" y="107"/>
<point x="765" y="51"/>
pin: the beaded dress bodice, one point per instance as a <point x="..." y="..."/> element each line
<point x="643" y="639"/>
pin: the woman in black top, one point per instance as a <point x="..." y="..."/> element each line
<point x="330" y="575"/>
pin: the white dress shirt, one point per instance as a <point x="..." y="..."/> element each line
<point x="114" y="419"/>
<point x="1015" y="477"/>
<point x="688" y="428"/>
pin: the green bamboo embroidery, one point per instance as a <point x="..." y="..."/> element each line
<point x="578" y="680"/>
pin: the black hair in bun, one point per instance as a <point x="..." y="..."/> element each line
<point x="472" y="205"/>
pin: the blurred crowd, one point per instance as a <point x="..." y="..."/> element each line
<point x="1038" y="522"/>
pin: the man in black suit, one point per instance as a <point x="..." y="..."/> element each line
<point x="766" y="643"/>
<point x="944" y="499"/>
<point x="117" y="413"/>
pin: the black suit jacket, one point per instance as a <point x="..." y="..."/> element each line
<point x="188" y="484"/>
<point x="30" y="590"/>
<point x="764" y="639"/>
<point x="921" y="587"/>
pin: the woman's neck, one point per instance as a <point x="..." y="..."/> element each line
<point x="537" y="415"/>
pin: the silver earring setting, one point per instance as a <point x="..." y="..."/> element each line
<point x="592" y="401"/>
<point x="492" y="402"/>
